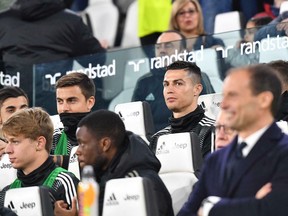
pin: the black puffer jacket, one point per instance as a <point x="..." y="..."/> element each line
<point x="64" y="186"/>
<point x="39" y="31"/>
<point x="196" y="122"/>
<point x="136" y="159"/>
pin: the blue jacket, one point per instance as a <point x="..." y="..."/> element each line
<point x="266" y="162"/>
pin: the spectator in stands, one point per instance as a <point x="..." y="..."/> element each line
<point x="41" y="31"/>
<point x="233" y="176"/>
<point x="187" y="18"/>
<point x="149" y="30"/>
<point x="182" y="87"/>
<point x="75" y="95"/>
<point x="223" y="134"/>
<point x="281" y="67"/>
<point x="271" y="8"/>
<point x="150" y="86"/>
<point x="12" y="99"/>
<point x="117" y="153"/>
<point x="278" y="26"/>
<point x="148" y="12"/>
<point x="236" y="57"/>
<point x="211" y="8"/>
<point x="29" y="134"/>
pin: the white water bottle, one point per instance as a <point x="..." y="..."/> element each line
<point x="88" y="193"/>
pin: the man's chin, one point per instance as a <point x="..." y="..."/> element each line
<point x="81" y="164"/>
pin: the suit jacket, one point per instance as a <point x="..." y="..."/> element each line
<point x="266" y="162"/>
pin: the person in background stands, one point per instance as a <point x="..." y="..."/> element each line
<point x="187" y="18"/>
<point x="236" y="57"/>
<point x="36" y="32"/>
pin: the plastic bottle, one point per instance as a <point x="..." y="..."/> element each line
<point x="88" y="192"/>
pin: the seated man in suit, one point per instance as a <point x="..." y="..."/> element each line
<point x="250" y="176"/>
<point x="29" y="135"/>
<point x="116" y="153"/>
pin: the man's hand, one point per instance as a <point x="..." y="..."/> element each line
<point x="200" y="212"/>
<point x="267" y="188"/>
<point x="283" y="26"/>
<point x="60" y="208"/>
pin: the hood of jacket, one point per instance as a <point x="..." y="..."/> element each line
<point x="37" y="9"/>
<point x="133" y="157"/>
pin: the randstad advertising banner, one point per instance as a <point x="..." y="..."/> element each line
<point x="116" y="73"/>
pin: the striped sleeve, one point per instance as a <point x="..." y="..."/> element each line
<point x="66" y="187"/>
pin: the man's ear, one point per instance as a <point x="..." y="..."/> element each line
<point x="105" y="143"/>
<point x="90" y="102"/>
<point x="198" y="89"/>
<point x="41" y="143"/>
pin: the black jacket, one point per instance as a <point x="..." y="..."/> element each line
<point x="195" y="122"/>
<point x="63" y="188"/>
<point x="133" y="159"/>
<point x="38" y="31"/>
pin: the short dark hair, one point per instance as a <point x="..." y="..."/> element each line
<point x="104" y="123"/>
<point x="281" y="67"/>
<point x="260" y="21"/>
<point x="193" y="70"/>
<point x="265" y="78"/>
<point x="11" y="92"/>
<point x="86" y="84"/>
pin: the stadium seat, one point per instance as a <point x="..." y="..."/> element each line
<point x="211" y="69"/>
<point x="283" y="125"/>
<point x="130" y="37"/>
<point x="181" y="160"/>
<point x="7" y="173"/>
<point x="129" y="197"/>
<point x="56" y="121"/>
<point x="137" y="118"/>
<point x="283" y="7"/>
<point x="73" y="165"/>
<point x="32" y="201"/>
<point x="103" y="16"/>
<point x="231" y="23"/>
<point x="211" y="104"/>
